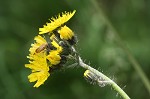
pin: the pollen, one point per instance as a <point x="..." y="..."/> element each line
<point x="66" y="33"/>
<point x="56" y="22"/>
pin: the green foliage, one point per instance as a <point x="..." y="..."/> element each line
<point x="19" y="23"/>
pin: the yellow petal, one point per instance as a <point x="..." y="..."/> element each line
<point x="40" y="77"/>
<point x="56" y="22"/>
<point x="56" y="45"/>
<point x="39" y="67"/>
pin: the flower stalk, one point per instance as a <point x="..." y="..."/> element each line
<point x="111" y="82"/>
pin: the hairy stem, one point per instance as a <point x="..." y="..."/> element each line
<point x="112" y="83"/>
<point x="118" y="39"/>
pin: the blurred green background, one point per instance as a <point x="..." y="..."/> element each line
<point x="21" y="19"/>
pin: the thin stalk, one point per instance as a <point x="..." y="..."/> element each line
<point x="112" y="83"/>
<point x="131" y="58"/>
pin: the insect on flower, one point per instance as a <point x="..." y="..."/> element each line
<point x="47" y="46"/>
<point x="41" y="48"/>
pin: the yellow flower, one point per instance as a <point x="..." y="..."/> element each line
<point x="56" y="22"/>
<point x="46" y="54"/>
<point x="66" y="33"/>
<point x="39" y="41"/>
<point x="38" y="63"/>
<point x="39" y="67"/>
<point x="54" y="57"/>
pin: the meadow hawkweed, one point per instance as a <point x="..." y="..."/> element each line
<point x="51" y="49"/>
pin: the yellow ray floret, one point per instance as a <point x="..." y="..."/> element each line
<point x="54" y="57"/>
<point x="56" y="22"/>
<point x="39" y="68"/>
<point x="39" y="41"/>
<point x="56" y="45"/>
<point x="66" y="33"/>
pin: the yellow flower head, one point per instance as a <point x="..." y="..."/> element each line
<point x="38" y="63"/>
<point x="66" y="33"/>
<point x="56" y="22"/>
<point x="54" y="57"/>
<point x="39" y="67"/>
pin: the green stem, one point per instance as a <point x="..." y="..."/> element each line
<point x="131" y="58"/>
<point x="113" y="84"/>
